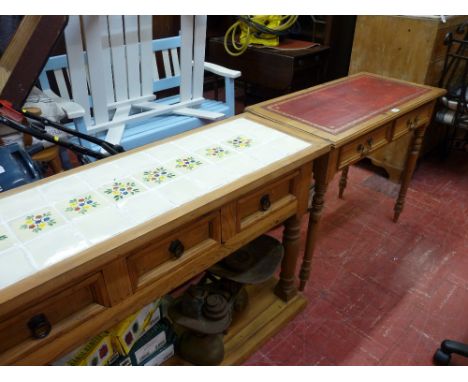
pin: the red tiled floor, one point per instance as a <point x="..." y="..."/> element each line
<point x="382" y="293"/>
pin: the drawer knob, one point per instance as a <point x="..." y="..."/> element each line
<point x="370" y="141"/>
<point x="265" y="202"/>
<point x="40" y="326"/>
<point x="176" y="248"/>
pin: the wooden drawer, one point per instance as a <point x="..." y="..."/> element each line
<point x="262" y="203"/>
<point x="364" y="145"/>
<point x="59" y="313"/>
<point x="165" y="255"/>
<point x="412" y="120"/>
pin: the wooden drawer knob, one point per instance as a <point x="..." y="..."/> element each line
<point x="176" y="248"/>
<point x="40" y="326"/>
<point x="265" y="202"/>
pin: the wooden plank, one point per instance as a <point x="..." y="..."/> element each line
<point x="133" y="56"/>
<point x="199" y="56"/>
<point x="119" y="61"/>
<point x="106" y="59"/>
<point x="26" y="55"/>
<point x="62" y="86"/>
<point x="114" y="134"/>
<point x="186" y="55"/>
<point x="167" y="64"/>
<point x="146" y="51"/>
<point x="175" y="61"/>
<point x="77" y="66"/>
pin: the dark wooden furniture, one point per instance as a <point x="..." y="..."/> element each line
<point x="270" y="72"/>
<point x="358" y="115"/>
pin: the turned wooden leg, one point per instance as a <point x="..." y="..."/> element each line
<point x="413" y="154"/>
<point x="312" y="231"/>
<point x="286" y="288"/>
<point x="343" y="181"/>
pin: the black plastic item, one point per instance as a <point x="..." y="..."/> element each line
<point x="443" y="355"/>
<point x="40" y="326"/>
<point x="176" y="248"/>
<point x="265" y="202"/>
<point x="17" y="167"/>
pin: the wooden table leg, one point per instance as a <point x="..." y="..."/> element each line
<point x="413" y="154"/>
<point x="343" y="181"/>
<point x="318" y="201"/>
<point x="286" y="288"/>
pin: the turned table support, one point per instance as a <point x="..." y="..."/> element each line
<point x="343" y="181"/>
<point x="413" y="154"/>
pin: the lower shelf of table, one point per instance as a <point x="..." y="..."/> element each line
<point x="265" y="315"/>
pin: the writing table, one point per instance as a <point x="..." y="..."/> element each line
<point x="82" y="250"/>
<point x="357" y="115"/>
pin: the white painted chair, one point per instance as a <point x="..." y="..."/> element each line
<point x="113" y="74"/>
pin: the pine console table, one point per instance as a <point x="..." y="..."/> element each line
<point x="82" y="250"/>
<point x="357" y="115"/>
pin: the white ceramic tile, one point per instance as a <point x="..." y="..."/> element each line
<point x="181" y="191"/>
<point x="7" y="239"/>
<point x="102" y="224"/>
<point x="266" y="154"/>
<point x="239" y="166"/>
<point x="101" y="174"/>
<point x="193" y="142"/>
<point x="187" y="163"/>
<point x="55" y="246"/>
<point x="62" y="188"/>
<point x="135" y="162"/>
<point x="215" y="152"/>
<point x="120" y="190"/>
<point x="14" y="266"/>
<point x="83" y="204"/>
<point x="241" y="142"/>
<point x="218" y="133"/>
<point x="36" y="223"/>
<point x="146" y="206"/>
<point x="288" y="145"/>
<point x="209" y="177"/>
<point x="165" y="152"/>
<point x="156" y="175"/>
<point x="13" y="206"/>
<point x="260" y="132"/>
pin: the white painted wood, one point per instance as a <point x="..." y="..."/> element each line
<point x="115" y="134"/>
<point x="199" y="113"/>
<point x="175" y="61"/>
<point x="77" y="65"/>
<point x="146" y="51"/>
<point x="115" y="105"/>
<point x="62" y="86"/>
<point x="119" y="61"/>
<point x="155" y="68"/>
<point x="199" y="56"/>
<point x="93" y="26"/>
<point x="167" y="63"/>
<point x="106" y="59"/>
<point x="186" y="56"/>
<point x="133" y="56"/>
<point x="153" y="110"/>
<point x="221" y="70"/>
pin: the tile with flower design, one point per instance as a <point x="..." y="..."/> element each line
<point x="186" y="163"/>
<point x="121" y="189"/>
<point x="34" y="224"/>
<point x="240" y="142"/>
<point x="215" y="152"/>
<point x="6" y="239"/>
<point x="81" y="205"/>
<point x="156" y="175"/>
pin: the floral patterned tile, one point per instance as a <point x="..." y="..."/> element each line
<point x="68" y="185"/>
<point x="255" y="130"/>
<point x="6" y="238"/>
<point x="56" y="246"/>
<point x="165" y="152"/>
<point x="14" y="266"/>
<point x="186" y="163"/>
<point x="240" y="142"/>
<point x="14" y="206"/>
<point x="215" y="152"/>
<point x="156" y="175"/>
<point x="121" y="189"/>
<point x="181" y="191"/>
<point x="80" y="205"/>
<point x="36" y="223"/>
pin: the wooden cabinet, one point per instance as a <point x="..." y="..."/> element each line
<point x="405" y="47"/>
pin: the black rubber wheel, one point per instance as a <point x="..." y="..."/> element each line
<point x="441" y="358"/>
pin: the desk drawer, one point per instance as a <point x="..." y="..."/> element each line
<point x="165" y="255"/>
<point x="412" y="120"/>
<point x="364" y="145"/>
<point x="52" y="316"/>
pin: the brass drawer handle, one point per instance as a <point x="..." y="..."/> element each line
<point x="176" y="248"/>
<point x="40" y="326"/>
<point x="265" y="202"/>
<point x="362" y="149"/>
<point x="370" y="142"/>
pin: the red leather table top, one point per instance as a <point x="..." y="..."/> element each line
<point x="338" y="107"/>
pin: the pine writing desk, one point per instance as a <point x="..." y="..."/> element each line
<point x="357" y="115"/>
<point x="84" y="249"/>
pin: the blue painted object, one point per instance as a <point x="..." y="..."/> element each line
<point x="16" y="167"/>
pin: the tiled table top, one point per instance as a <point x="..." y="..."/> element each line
<point x="53" y="221"/>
